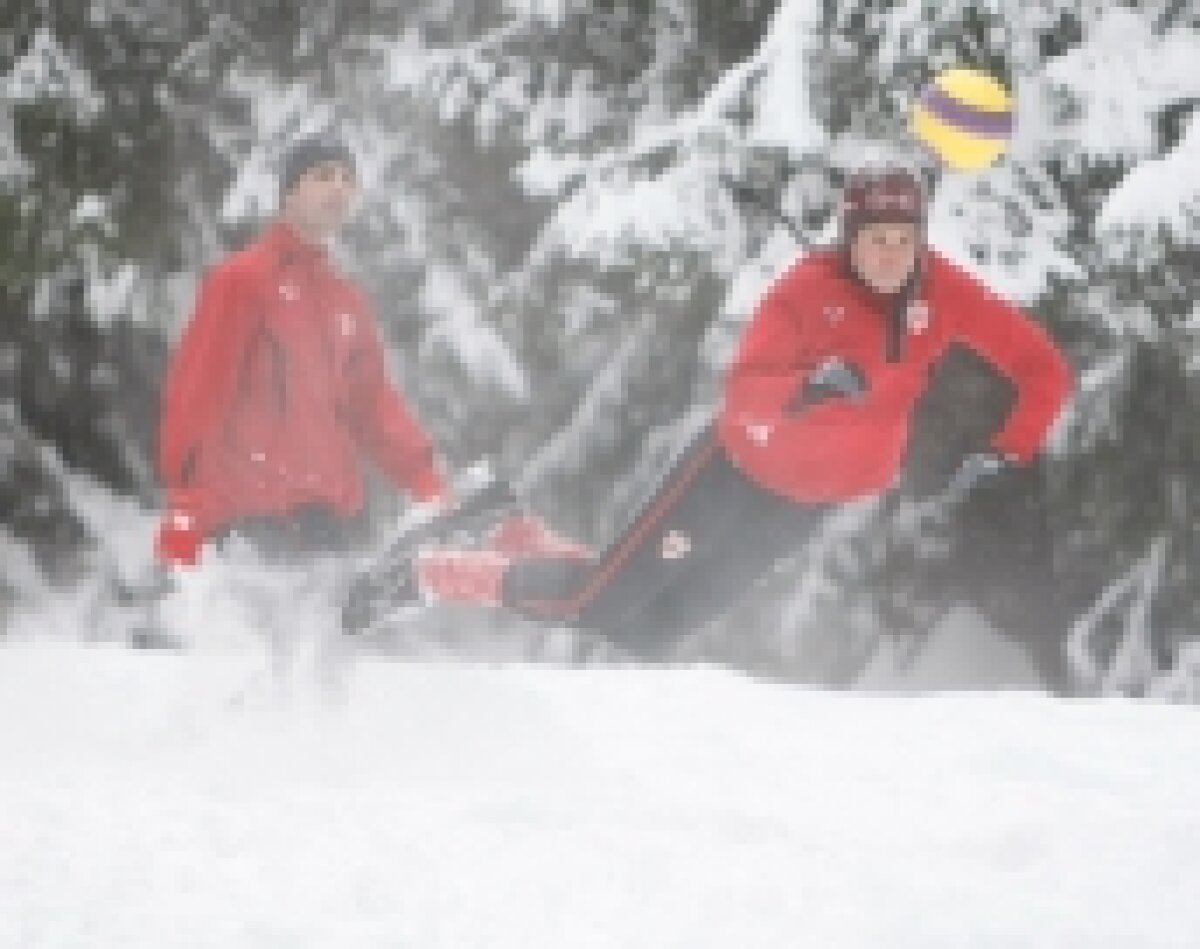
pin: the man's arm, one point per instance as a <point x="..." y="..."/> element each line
<point x="201" y="380"/>
<point x="768" y="369"/>
<point x="1022" y="351"/>
<point x="387" y="431"/>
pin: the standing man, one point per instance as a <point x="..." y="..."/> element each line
<point x="278" y="389"/>
<point x="816" y="413"/>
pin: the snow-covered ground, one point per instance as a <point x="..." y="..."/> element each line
<point x="468" y="806"/>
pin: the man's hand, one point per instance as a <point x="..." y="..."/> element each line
<point x="975" y="469"/>
<point x="178" y="541"/>
<point x="443" y="502"/>
<point x="835" y="378"/>
<point x="983" y="463"/>
<point x="181" y="530"/>
<point x="432" y="490"/>
<point x="426" y="510"/>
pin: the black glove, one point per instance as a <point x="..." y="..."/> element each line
<point x="835" y="378"/>
<point x="974" y="470"/>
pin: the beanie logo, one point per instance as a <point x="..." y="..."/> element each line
<point x="834" y="314"/>
<point x="894" y="195"/>
<point x="880" y="200"/>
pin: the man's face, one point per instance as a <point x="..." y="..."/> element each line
<point x="884" y="255"/>
<point x="322" y="198"/>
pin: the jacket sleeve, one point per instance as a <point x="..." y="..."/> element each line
<point x="1021" y="350"/>
<point x="202" y="376"/>
<point x="387" y="431"/>
<point x="771" y="359"/>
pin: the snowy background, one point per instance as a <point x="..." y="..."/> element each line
<point x="564" y="229"/>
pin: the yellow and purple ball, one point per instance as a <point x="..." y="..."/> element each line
<point x="965" y="117"/>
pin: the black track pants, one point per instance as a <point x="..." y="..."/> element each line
<point x="696" y="546"/>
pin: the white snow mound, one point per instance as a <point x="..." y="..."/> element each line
<point x="439" y="806"/>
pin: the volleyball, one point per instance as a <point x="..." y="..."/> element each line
<point x="965" y="118"/>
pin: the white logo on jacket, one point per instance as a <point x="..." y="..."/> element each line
<point x="918" y="316"/>
<point x="675" y="545"/>
<point x="289" y="292"/>
<point x="346" y="323"/>
<point x="759" y="432"/>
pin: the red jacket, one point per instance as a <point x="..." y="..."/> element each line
<point x="277" y="385"/>
<point x="850" y="447"/>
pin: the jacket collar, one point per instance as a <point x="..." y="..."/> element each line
<point x="289" y="248"/>
<point x="891" y="307"/>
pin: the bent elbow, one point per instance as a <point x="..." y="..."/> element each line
<point x="1061" y="379"/>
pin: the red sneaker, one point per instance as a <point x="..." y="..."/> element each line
<point x="523" y="535"/>
<point x="462" y="576"/>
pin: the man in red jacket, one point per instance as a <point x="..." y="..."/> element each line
<point x="816" y="412"/>
<point x="278" y="388"/>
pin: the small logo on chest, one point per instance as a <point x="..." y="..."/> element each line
<point x="918" y="316"/>
<point x="289" y="292"/>
<point x="758" y="432"/>
<point x="346" y="324"/>
<point x="834" y="313"/>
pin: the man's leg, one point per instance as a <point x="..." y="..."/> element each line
<point x="697" y="546"/>
<point x="300" y="564"/>
<point x="557" y="582"/>
<point x="1005" y="566"/>
<point x="671" y="532"/>
<point x="766" y="529"/>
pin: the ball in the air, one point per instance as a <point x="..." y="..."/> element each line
<point x="965" y="117"/>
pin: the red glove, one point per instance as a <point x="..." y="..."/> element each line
<point x="180" y="534"/>
<point x="429" y="485"/>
